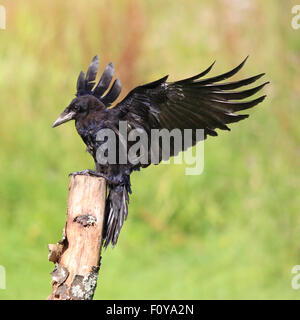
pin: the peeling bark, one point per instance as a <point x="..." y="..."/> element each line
<point x="77" y="256"/>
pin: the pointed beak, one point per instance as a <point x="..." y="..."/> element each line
<point x="64" y="117"/>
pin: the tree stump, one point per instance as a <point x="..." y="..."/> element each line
<point x="77" y="256"/>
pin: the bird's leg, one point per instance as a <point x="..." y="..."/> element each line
<point x="92" y="173"/>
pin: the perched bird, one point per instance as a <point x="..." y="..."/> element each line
<point x="192" y="103"/>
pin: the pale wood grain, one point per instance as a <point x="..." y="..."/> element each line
<point x="78" y="255"/>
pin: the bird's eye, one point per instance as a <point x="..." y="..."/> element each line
<point x="76" y="107"/>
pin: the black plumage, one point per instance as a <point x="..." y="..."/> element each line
<point x="192" y="103"/>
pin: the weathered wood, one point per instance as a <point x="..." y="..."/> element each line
<point x="77" y="256"/>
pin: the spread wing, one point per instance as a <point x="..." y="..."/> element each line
<point x="192" y="103"/>
<point x="86" y="83"/>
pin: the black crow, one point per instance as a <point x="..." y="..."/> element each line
<point x="192" y="103"/>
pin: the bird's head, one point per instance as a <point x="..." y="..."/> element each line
<point x="90" y="97"/>
<point x="78" y="109"/>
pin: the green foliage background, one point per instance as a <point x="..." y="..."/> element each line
<point x="232" y="232"/>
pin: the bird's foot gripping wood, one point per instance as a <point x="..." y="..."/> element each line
<point x="92" y="173"/>
<point x="87" y="172"/>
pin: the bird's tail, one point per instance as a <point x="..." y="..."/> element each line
<point x="116" y="211"/>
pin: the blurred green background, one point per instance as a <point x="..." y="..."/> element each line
<point x="232" y="232"/>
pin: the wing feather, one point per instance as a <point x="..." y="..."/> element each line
<point x="92" y="73"/>
<point x="113" y="93"/>
<point x="191" y="103"/>
<point x="104" y="81"/>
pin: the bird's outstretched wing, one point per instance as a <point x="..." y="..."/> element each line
<point x="192" y="103"/>
<point x="86" y="84"/>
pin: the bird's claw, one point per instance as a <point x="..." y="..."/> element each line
<point x="87" y="172"/>
<point x="92" y="173"/>
<point x="84" y="172"/>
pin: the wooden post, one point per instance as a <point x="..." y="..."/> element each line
<point x="77" y="256"/>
